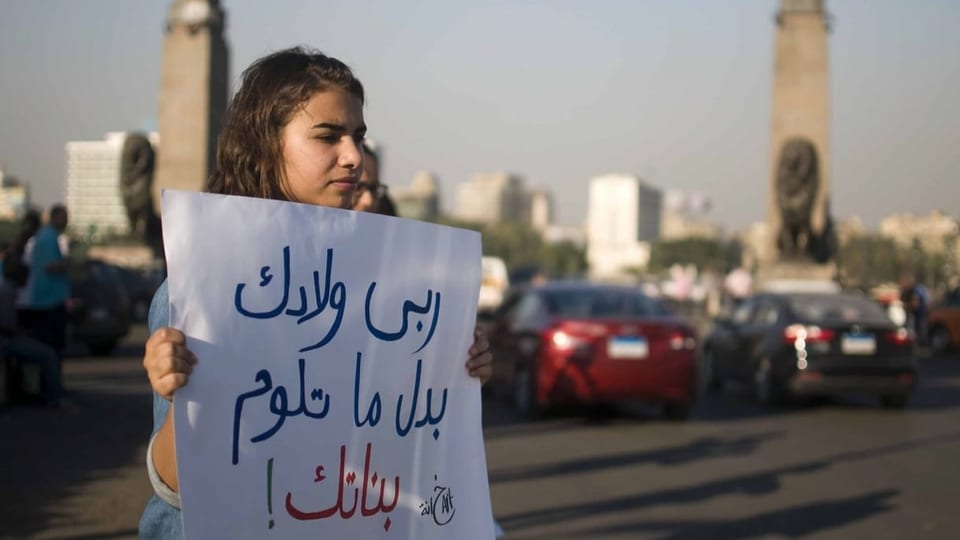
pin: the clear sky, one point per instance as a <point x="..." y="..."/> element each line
<point x="677" y="91"/>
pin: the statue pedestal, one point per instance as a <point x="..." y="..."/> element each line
<point x="799" y="276"/>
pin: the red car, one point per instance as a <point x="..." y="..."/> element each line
<point x="586" y="343"/>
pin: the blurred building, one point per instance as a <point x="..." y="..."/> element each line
<point x="800" y="109"/>
<point x="541" y="210"/>
<point x="93" y="187"/>
<point x="684" y="216"/>
<point x="492" y="198"/>
<point x="623" y="218"/>
<point x="420" y="200"/>
<point x="193" y="94"/>
<point x="14" y="197"/>
<point x="935" y="231"/>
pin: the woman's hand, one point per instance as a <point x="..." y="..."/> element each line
<point x="479" y="357"/>
<point x="168" y="361"/>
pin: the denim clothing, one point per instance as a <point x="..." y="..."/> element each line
<point x="160" y="520"/>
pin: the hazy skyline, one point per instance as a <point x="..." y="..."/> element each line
<point x="558" y="91"/>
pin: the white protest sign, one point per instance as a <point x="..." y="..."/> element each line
<point x="330" y="399"/>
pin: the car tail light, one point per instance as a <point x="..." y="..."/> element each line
<point x="808" y="334"/>
<point x="900" y="336"/>
<point x="560" y="340"/>
<point x="682" y="341"/>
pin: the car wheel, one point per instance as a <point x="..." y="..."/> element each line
<point x="939" y="339"/>
<point x="677" y="411"/>
<point x="525" y="394"/>
<point x="763" y="384"/>
<point x="102" y="348"/>
<point x="896" y="401"/>
<point x="709" y="378"/>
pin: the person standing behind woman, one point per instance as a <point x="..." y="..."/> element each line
<point x="293" y="132"/>
<point x="371" y="195"/>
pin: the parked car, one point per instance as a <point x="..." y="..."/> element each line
<point x="797" y="344"/>
<point x="943" y="325"/>
<point x="585" y="343"/>
<point x="98" y="311"/>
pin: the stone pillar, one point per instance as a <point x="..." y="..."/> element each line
<point x="800" y="104"/>
<point x="193" y="95"/>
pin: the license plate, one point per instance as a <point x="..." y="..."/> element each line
<point x="628" y="347"/>
<point x="858" y="344"/>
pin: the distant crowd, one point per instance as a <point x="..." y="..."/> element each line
<point x="34" y="290"/>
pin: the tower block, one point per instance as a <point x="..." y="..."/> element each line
<point x="193" y="95"/>
<point x="798" y="207"/>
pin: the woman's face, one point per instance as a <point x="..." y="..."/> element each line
<point x="322" y="154"/>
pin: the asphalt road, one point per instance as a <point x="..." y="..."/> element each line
<point x="840" y="469"/>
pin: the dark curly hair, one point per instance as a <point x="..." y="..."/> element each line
<point x="249" y="149"/>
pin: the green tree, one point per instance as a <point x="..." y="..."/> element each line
<point x="867" y="261"/>
<point x="563" y="259"/>
<point x="700" y="252"/>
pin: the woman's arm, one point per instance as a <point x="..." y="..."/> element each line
<point x="168" y="363"/>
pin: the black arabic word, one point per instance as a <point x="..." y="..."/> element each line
<point x="440" y="505"/>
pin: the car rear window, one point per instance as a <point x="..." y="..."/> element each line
<point x="826" y="309"/>
<point x="586" y="303"/>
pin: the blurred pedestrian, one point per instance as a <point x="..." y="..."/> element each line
<point x="738" y="285"/>
<point x="916" y="302"/>
<point x="15" y="342"/>
<point x="13" y="255"/>
<point x="43" y="299"/>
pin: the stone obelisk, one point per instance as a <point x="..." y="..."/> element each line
<point x="193" y="95"/>
<point x="798" y="207"/>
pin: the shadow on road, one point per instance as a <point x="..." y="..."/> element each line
<point x="795" y="522"/>
<point x="754" y="484"/>
<point x="702" y="448"/>
<point x="51" y="457"/>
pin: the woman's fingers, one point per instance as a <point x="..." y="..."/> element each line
<point x="168" y="361"/>
<point x="480" y="359"/>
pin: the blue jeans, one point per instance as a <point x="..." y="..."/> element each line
<point x="28" y="349"/>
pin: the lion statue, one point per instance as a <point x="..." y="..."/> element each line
<point x="136" y="179"/>
<point x="797" y="186"/>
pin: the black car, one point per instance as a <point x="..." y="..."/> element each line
<point x="806" y="344"/>
<point x="98" y="311"/>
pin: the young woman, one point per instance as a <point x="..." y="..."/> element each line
<point x="294" y="131"/>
